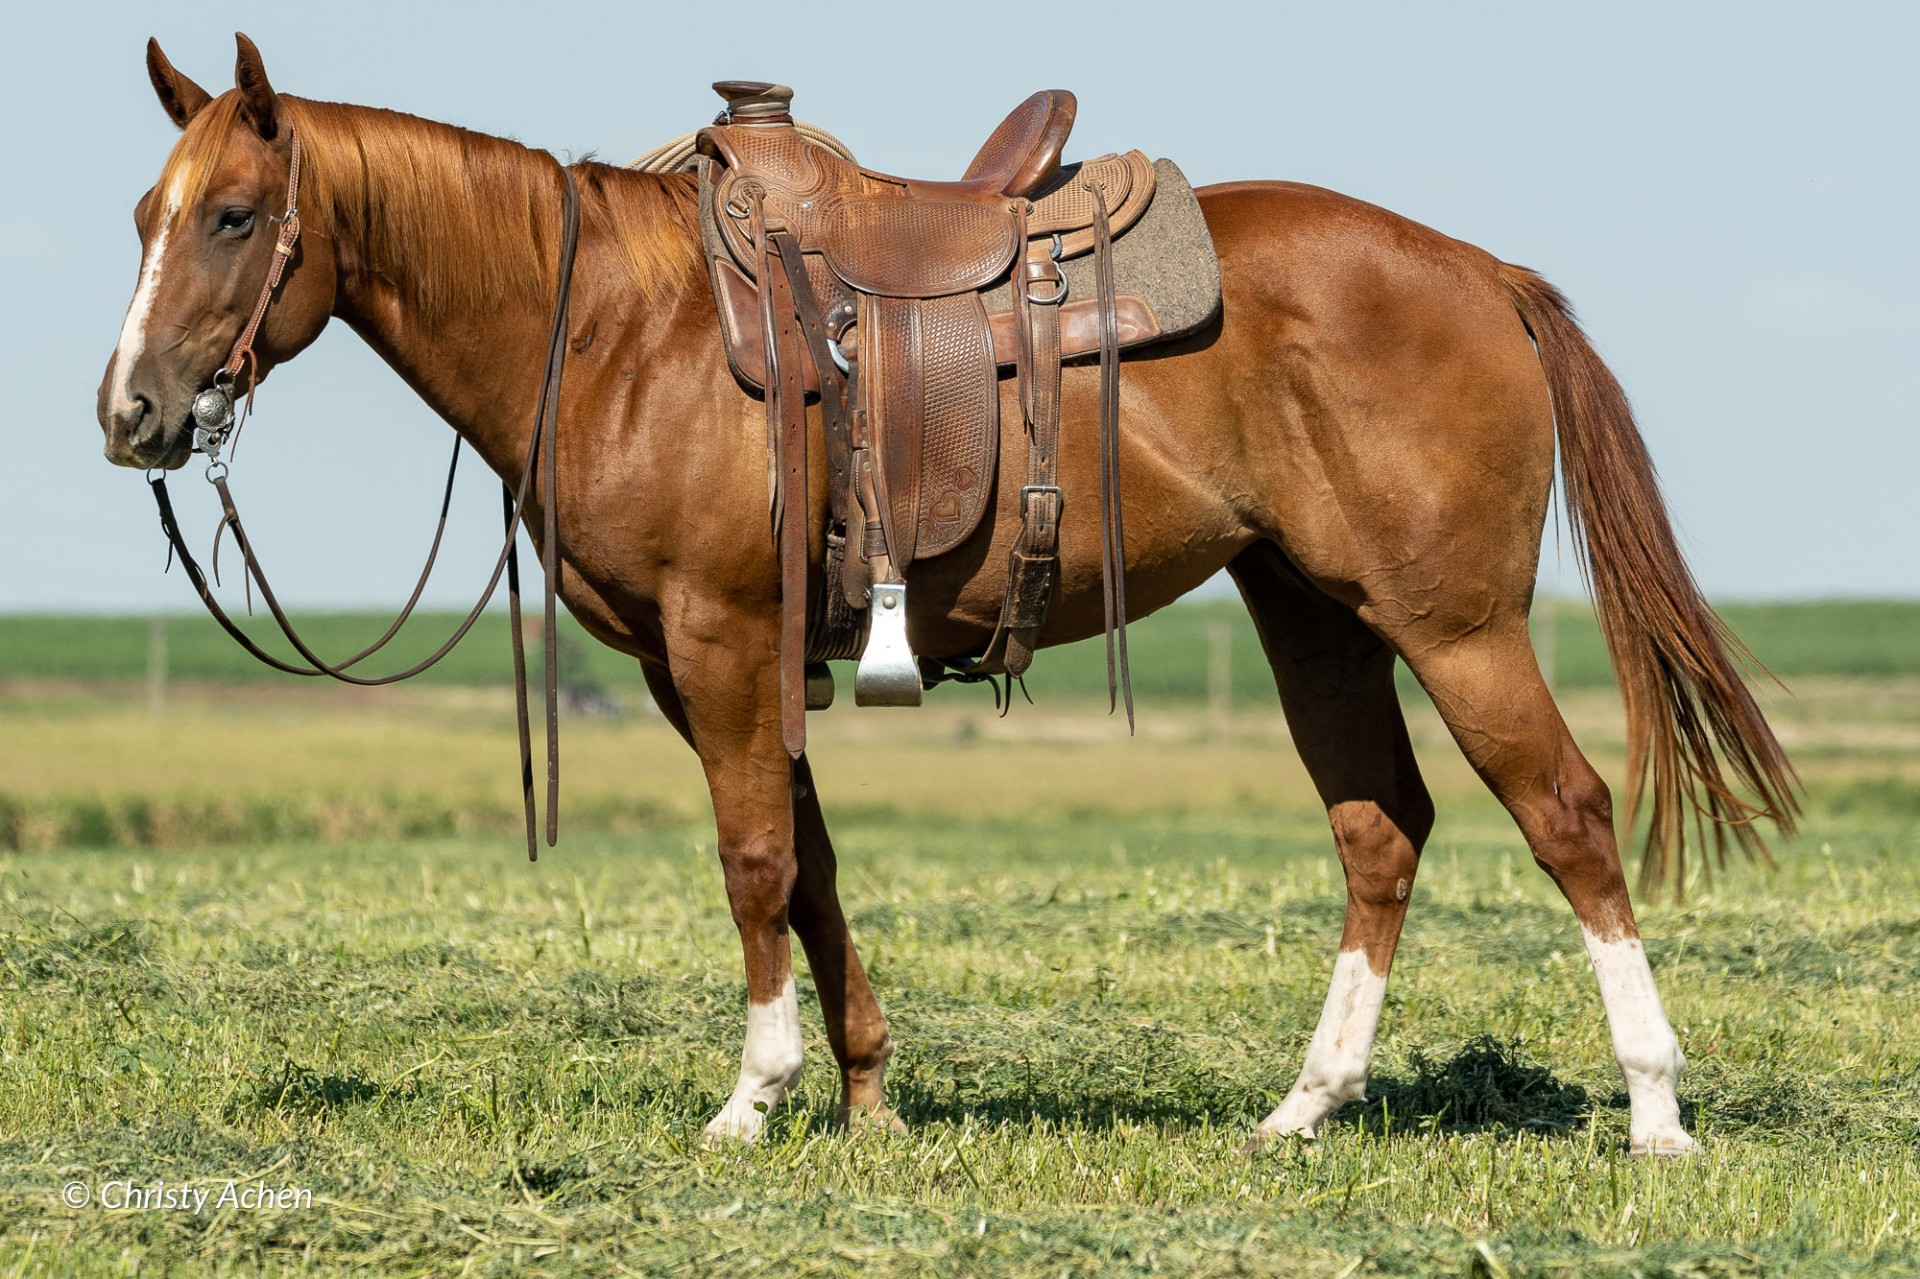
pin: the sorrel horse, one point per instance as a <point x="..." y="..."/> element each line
<point x="1365" y="439"/>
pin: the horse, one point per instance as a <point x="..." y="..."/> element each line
<point x="1364" y="438"/>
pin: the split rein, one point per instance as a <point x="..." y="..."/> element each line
<point x="215" y="422"/>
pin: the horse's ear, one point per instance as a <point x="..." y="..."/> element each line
<point x="257" y="98"/>
<point x="181" y="97"/>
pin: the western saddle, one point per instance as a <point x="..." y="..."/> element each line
<point x="898" y="302"/>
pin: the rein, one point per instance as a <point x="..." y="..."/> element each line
<point x="215" y="423"/>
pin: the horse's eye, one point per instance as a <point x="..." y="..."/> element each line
<point x="236" y="219"/>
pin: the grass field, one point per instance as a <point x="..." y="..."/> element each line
<point x="286" y="936"/>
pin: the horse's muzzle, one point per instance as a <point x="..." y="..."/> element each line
<point x="138" y="436"/>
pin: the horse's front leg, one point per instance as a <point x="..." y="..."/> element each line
<point x="856" y="1026"/>
<point x="727" y="680"/>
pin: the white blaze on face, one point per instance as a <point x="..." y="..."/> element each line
<point x="1335" y="1071"/>
<point x="769" y="1067"/>
<point x="1643" y="1043"/>
<point x="133" y="331"/>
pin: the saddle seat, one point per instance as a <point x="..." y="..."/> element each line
<point x="1017" y="156"/>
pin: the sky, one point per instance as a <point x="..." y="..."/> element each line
<point x="1727" y="192"/>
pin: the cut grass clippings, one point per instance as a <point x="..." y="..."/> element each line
<point x="473" y="1063"/>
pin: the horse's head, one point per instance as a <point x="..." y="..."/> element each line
<point x="208" y="234"/>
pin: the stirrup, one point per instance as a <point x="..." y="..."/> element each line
<point x="887" y="674"/>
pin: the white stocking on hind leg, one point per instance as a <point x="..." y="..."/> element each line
<point x="1488" y="688"/>
<point x="1336" y="685"/>
<point x="1335" y="678"/>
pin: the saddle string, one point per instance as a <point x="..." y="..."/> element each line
<point x="545" y="431"/>
<point x="1113" y="550"/>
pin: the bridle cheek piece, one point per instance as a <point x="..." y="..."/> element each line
<point x="214" y="418"/>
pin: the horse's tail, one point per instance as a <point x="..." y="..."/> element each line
<point x="1673" y="655"/>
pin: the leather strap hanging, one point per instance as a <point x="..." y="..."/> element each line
<point x="1033" y="569"/>
<point x="787" y="428"/>
<point x="545" y="433"/>
<point x="1113" y="548"/>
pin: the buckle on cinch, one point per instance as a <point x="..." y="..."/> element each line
<point x="1059" y="498"/>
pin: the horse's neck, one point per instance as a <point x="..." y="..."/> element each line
<point x="476" y="367"/>
<point x="475" y="356"/>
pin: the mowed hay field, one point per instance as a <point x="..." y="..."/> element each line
<point x="284" y="936"/>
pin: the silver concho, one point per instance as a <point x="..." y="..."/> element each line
<point x="212" y="418"/>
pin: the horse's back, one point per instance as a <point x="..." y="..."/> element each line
<point x="1310" y="249"/>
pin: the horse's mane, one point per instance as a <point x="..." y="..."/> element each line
<point x="393" y="184"/>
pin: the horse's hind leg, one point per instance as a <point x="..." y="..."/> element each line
<point x="1487" y="685"/>
<point x="1336" y="686"/>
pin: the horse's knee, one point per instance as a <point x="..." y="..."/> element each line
<point x="760" y="877"/>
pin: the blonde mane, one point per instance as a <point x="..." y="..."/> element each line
<point x="459" y="219"/>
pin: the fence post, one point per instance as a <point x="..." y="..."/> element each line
<point x="156" y="664"/>
<point x="1219" y="679"/>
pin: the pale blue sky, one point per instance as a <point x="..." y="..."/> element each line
<point x="1726" y="191"/>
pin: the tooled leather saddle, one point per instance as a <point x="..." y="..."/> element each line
<point x="898" y="303"/>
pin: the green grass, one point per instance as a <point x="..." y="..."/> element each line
<point x="1170" y="650"/>
<point x="287" y="933"/>
<point x="482" y="1066"/>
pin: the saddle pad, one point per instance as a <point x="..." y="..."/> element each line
<point x="1165" y="263"/>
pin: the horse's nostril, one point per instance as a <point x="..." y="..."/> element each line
<point x="138" y="414"/>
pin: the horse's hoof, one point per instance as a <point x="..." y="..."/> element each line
<point x="1264" y="1136"/>
<point x="1664" y="1145"/>
<point x="734" y="1127"/>
<point x="874" y="1118"/>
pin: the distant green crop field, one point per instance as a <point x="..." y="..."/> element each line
<point x="1172" y="650"/>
